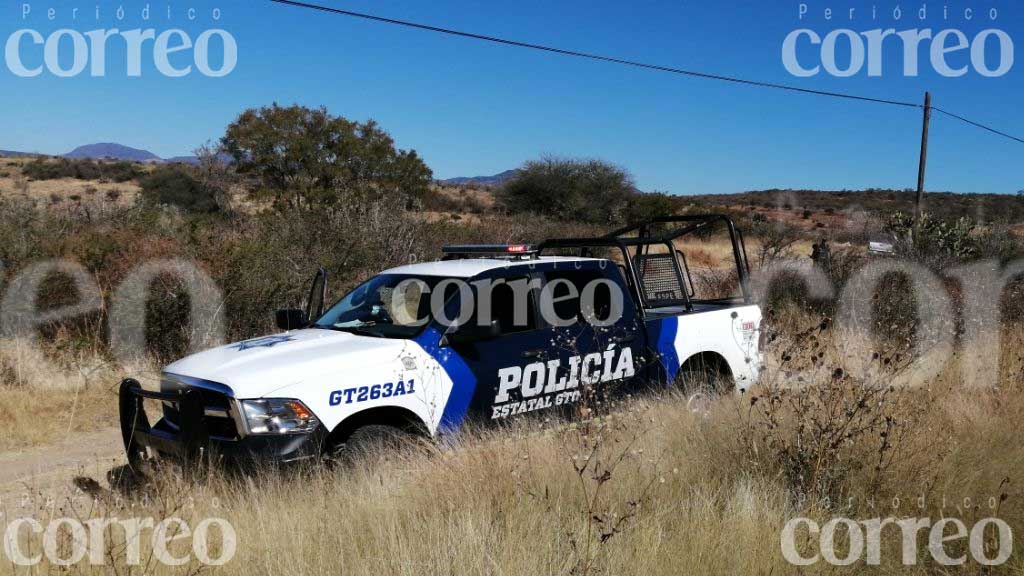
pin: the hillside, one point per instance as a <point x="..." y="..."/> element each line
<point x="493" y="180"/>
<point x="944" y="205"/>
<point x="476" y="196"/>
<point x="13" y="154"/>
<point x="182" y="160"/>
<point x="114" y="151"/>
<point x="108" y="151"/>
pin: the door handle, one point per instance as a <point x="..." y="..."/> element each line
<point x="623" y="339"/>
<point x="533" y="353"/>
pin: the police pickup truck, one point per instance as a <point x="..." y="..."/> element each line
<point x="487" y="334"/>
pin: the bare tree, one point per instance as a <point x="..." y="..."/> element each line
<point x="215" y="174"/>
<point x="775" y="241"/>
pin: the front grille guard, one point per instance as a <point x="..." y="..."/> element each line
<point x="193" y="438"/>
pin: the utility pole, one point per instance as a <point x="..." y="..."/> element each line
<point x="919" y="202"/>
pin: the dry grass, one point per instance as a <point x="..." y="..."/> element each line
<point x="652" y="489"/>
<point x="43" y="401"/>
<point x="63" y="191"/>
<point x="512" y="503"/>
<point x="716" y="252"/>
<point x="34" y="417"/>
<point x="475" y="196"/>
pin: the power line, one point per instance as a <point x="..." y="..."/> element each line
<point x="591" y="56"/>
<point x="977" y="124"/>
<point x="633" y="63"/>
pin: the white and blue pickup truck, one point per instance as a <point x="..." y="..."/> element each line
<point x="419" y="349"/>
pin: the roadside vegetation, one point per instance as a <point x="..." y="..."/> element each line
<point x="649" y="487"/>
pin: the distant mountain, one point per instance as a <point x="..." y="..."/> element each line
<point x="223" y="157"/>
<point x="115" y="151"/>
<point x="13" y="154"/>
<point x="191" y="160"/>
<point x="494" y="180"/>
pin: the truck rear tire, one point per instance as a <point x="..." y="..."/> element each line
<point x="702" y="379"/>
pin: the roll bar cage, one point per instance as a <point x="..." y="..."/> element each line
<point x="641" y="236"/>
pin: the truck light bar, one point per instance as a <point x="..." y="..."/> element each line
<point x="489" y="251"/>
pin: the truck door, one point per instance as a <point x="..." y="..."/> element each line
<point x="509" y="368"/>
<point x="600" y="346"/>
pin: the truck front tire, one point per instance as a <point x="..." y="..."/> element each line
<point x="369" y="442"/>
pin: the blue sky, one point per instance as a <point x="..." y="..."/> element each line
<point x="472" y="108"/>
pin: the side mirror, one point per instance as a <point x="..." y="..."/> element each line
<point x="317" y="296"/>
<point x="291" y="319"/>
<point x="468" y="333"/>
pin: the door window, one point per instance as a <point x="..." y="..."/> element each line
<point x="578" y="309"/>
<point x="513" y="305"/>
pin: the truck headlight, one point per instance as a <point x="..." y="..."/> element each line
<point x="278" y="416"/>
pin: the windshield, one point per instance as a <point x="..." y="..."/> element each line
<point x="386" y="306"/>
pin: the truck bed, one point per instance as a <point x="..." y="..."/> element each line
<point x="729" y="329"/>
<point x="698" y="308"/>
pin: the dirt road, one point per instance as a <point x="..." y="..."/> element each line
<point x="47" y="471"/>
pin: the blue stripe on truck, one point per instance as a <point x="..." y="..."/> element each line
<point x="663" y="334"/>
<point x="463" y="380"/>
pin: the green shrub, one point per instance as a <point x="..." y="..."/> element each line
<point x="82" y="169"/>
<point x="933" y="242"/>
<point x="308" y="158"/>
<point x="652" y="205"/>
<point x="121" y="171"/>
<point x="176" y="186"/>
<point x="583" y="190"/>
<point x="167" y="319"/>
